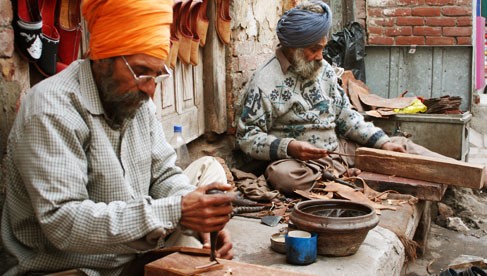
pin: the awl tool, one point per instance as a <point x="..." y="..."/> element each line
<point x="213" y="235"/>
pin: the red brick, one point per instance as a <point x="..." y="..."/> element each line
<point x="440" y="41"/>
<point x="6" y="42"/>
<point x="374" y="30"/>
<point x="386" y="22"/>
<point x="457" y="31"/>
<point x="380" y="40"/>
<point x="380" y="3"/>
<point x="399" y="31"/>
<point x="440" y="21"/>
<point x="464" y="40"/>
<point x="410" y="21"/>
<point x="410" y="2"/>
<point x="440" y="2"/>
<point x="430" y="31"/>
<point x="397" y="12"/>
<point x="464" y="3"/>
<point x="419" y="11"/>
<point x="464" y="21"/>
<point x="5" y="12"/>
<point x="456" y="11"/>
<point x="410" y="40"/>
<point x="374" y="12"/>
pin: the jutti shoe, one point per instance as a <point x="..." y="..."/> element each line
<point x="195" y="42"/>
<point x="185" y="35"/>
<point x="68" y="24"/>
<point x="28" y="28"/>
<point x="223" y="20"/>
<point x="50" y="40"/>
<point x="202" y="23"/>
<point x="172" y="57"/>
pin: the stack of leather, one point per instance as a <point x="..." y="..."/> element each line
<point x="444" y="105"/>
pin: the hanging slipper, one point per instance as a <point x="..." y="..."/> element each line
<point x="174" y="40"/>
<point x="50" y="39"/>
<point x="68" y="24"/>
<point x="28" y="28"/>
<point x="202" y="22"/>
<point x="185" y="35"/>
<point x="223" y="20"/>
<point x="195" y="42"/>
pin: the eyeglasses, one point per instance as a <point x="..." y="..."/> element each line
<point x="141" y="79"/>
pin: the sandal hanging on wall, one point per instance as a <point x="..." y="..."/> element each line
<point x="50" y="40"/>
<point x="68" y="24"/>
<point x="202" y="23"/>
<point x="28" y="28"/>
<point x="185" y="38"/>
<point x="195" y="42"/>
<point x="173" y="51"/>
<point x="223" y="20"/>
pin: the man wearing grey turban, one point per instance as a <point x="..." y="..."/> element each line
<point x="294" y="111"/>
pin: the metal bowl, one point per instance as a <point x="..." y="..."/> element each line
<point x="341" y="225"/>
<point x="278" y="243"/>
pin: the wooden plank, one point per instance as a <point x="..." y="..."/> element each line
<point x="184" y="264"/>
<point x="425" y="168"/>
<point x="423" y="190"/>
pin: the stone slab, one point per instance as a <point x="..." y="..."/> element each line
<point x="381" y="254"/>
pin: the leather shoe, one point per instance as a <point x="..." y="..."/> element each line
<point x="185" y="35"/>
<point x="202" y="23"/>
<point x="223" y="20"/>
<point x="195" y="42"/>
<point x="173" y="51"/>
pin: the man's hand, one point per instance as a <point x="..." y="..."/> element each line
<point x="304" y="151"/>
<point x="393" y="147"/>
<point x="206" y="213"/>
<point x="223" y="244"/>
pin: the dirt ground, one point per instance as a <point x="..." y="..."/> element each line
<point x="444" y="244"/>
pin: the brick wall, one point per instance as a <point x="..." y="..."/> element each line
<point x="419" y="22"/>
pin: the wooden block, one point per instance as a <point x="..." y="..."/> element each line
<point x="183" y="264"/>
<point x="421" y="189"/>
<point x="451" y="172"/>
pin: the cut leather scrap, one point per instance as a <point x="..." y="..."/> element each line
<point x="377" y="101"/>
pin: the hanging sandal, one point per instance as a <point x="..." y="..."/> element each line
<point x="174" y="40"/>
<point x="50" y="40"/>
<point x="68" y="24"/>
<point x="184" y="51"/>
<point x="195" y="42"/>
<point x="223" y="20"/>
<point x="202" y="23"/>
<point x="28" y="28"/>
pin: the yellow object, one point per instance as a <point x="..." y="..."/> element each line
<point x="416" y="107"/>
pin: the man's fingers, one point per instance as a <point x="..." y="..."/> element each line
<point x="216" y="185"/>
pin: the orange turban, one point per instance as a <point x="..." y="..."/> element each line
<point x="128" y="27"/>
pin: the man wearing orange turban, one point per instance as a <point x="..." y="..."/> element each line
<point x="91" y="181"/>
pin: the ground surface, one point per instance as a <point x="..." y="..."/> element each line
<point x="445" y="245"/>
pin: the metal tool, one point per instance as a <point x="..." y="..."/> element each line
<point x="329" y="176"/>
<point x="213" y="235"/>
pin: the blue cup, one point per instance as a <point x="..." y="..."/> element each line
<point x="300" y="250"/>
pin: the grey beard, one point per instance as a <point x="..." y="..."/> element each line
<point x="306" y="69"/>
<point x="122" y="106"/>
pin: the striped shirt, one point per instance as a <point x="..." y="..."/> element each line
<point x="79" y="193"/>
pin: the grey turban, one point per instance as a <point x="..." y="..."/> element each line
<point x="302" y="28"/>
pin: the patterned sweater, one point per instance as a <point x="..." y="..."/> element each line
<point x="279" y="107"/>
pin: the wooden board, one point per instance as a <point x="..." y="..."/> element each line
<point x="423" y="190"/>
<point x="451" y="172"/>
<point x="180" y="263"/>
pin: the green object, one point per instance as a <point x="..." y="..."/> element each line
<point x="483" y="11"/>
